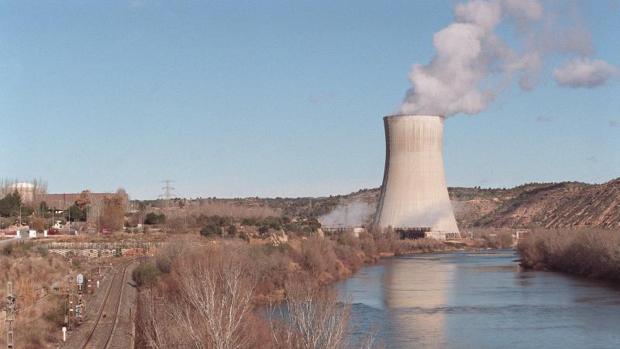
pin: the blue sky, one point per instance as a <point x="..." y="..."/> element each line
<point x="268" y="98"/>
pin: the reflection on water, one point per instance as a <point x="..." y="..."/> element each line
<point x="422" y="293"/>
<point x="480" y="300"/>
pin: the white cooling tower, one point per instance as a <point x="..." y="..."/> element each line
<point x="414" y="195"/>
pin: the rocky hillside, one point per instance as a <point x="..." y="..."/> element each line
<point x="558" y="205"/>
<point x="549" y="205"/>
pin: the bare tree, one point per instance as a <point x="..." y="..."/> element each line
<point x="313" y="318"/>
<point x="212" y="307"/>
<point x="113" y="215"/>
<point x="156" y="323"/>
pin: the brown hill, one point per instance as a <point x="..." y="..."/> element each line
<point x="560" y="205"/>
<point x="548" y="205"/>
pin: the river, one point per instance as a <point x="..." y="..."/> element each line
<point x="479" y="300"/>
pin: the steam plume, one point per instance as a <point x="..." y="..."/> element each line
<point x="351" y="214"/>
<point x="473" y="63"/>
<point x="585" y="73"/>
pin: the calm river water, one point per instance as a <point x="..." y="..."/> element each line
<point x="480" y="300"/>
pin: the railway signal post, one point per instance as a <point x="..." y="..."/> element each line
<point x="10" y="309"/>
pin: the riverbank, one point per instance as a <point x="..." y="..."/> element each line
<point x="325" y="260"/>
<point x="268" y="272"/>
<point x="479" y="299"/>
<point x="591" y="253"/>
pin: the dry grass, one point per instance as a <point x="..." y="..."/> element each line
<point x="586" y="252"/>
<point x="32" y="272"/>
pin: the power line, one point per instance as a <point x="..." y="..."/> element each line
<point x="168" y="192"/>
<point x="168" y="189"/>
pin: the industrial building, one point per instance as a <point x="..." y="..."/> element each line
<point x="414" y="197"/>
<point x="63" y="201"/>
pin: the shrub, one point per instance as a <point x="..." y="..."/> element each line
<point x="318" y="255"/>
<point x="274" y="223"/>
<point x="367" y="244"/>
<point x="163" y="263"/>
<point x="347" y="239"/>
<point x="231" y="230"/>
<point x="263" y="230"/>
<point x="249" y="221"/>
<point x="155" y="218"/>
<point x="348" y="256"/>
<point x="313" y="224"/>
<point x="76" y="213"/>
<point x="589" y="253"/>
<point x="271" y="266"/>
<point x="145" y="274"/>
<point x="211" y="230"/>
<point x="43" y="250"/>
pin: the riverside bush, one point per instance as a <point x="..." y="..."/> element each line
<point x="587" y="252"/>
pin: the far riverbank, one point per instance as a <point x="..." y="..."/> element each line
<point x="590" y="253"/>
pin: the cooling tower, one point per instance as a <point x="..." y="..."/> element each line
<point x="414" y="195"/>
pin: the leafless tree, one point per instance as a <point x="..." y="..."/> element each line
<point x="211" y="308"/>
<point x="113" y="214"/>
<point x="313" y="318"/>
<point x="156" y="324"/>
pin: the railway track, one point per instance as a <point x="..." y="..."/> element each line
<point x="99" y="337"/>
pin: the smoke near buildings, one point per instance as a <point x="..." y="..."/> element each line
<point x="474" y="63"/>
<point x="349" y="214"/>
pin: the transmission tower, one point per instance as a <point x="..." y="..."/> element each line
<point x="10" y="309"/>
<point x="168" y="191"/>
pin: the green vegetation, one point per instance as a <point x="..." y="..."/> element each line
<point x="145" y="274"/>
<point x="11" y="206"/>
<point x="155" y="218"/>
<point x="211" y="230"/>
<point x="163" y="263"/>
<point x="212" y="226"/>
<point x="77" y="213"/>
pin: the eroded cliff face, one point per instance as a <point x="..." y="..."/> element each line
<point x="559" y="205"/>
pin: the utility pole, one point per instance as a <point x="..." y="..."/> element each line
<point x="10" y="309"/>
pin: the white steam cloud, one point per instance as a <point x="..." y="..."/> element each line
<point x="352" y="214"/>
<point x="473" y="63"/>
<point x="585" y="73"/>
